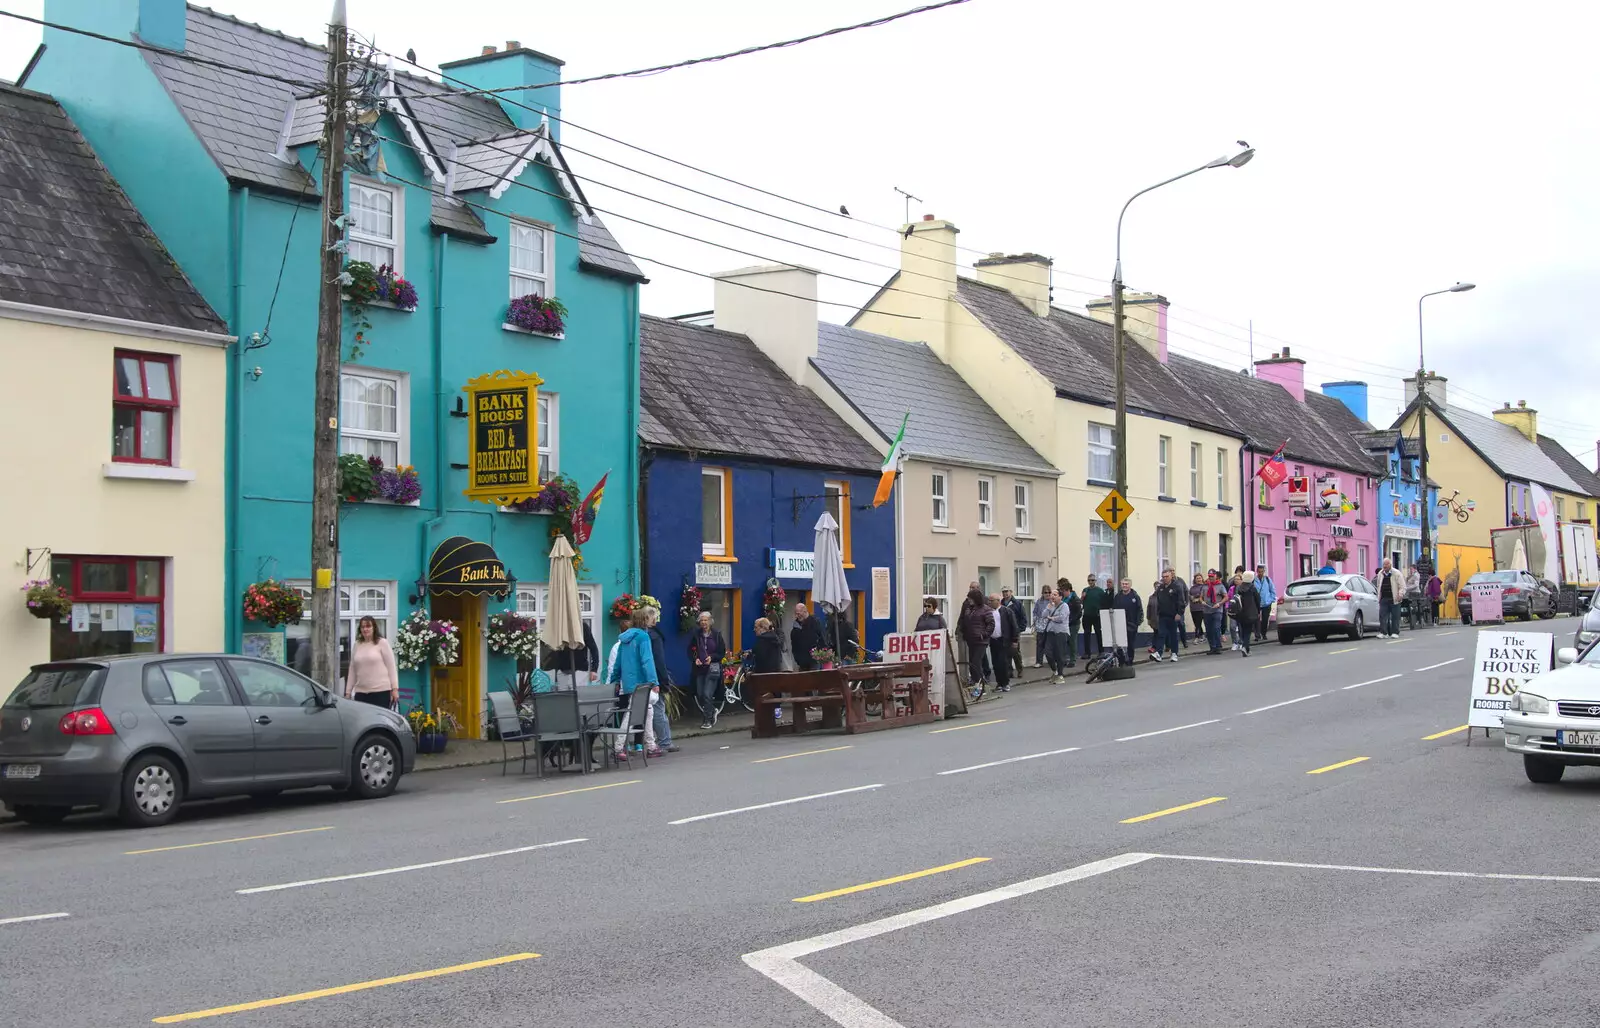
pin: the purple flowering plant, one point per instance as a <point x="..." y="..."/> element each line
<point x="538" y="314"/>
<point x="46" y="600"/>
<point x="391" y="288"/>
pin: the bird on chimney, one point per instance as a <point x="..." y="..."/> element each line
<point x="844" y="210"/>
<point x="910" y="229"/>
<point x="411" y="56"/>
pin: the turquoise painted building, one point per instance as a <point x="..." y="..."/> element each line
<point x="470" y="200"/>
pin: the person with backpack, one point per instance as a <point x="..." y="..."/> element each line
<point x="634" y="668"/>
<point x="1231" y="608"/>
<point x="1247" y="602"/>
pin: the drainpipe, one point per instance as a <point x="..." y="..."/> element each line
<point x="233" y="628"/>
<point x="900" y="547"/>
<point x="441" y="470"/>
<point x="642" y="509"/>
<point x="634" y="548"/>
<point x="1247" y="505"/>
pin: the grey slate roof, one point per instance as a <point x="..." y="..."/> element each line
<point x="885" y="378"/>
<point x="240" y="118"/>
<point x="706" y="390"/>
<point x="69" y="237"/>
<point x="1575" y="468"/>
<point x="1510" y="452"/>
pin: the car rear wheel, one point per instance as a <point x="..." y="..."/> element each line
<point x="152" y="788"/>
<point x="374" y="768"/>
<point x="1358" y="630"/>
<point x="1542" y="770"/>
<point x="1285" y="637"/>
<point x="35" y="815"/>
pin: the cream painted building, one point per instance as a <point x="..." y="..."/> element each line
<point x="1047" y="373"/>
<point x="975" y="502"/>
<point x="114" y="382"/>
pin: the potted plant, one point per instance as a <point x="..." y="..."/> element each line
<point x="362" y="286"/>
<point x="357" y="484"/>
<point x="399" y="484"/>
<point x="47" y="600"/>
<point x="422" y="641"/>
<point x="1338" y="553"/>
<point x="689" y="608"/>
<point x="432" y="728"/>
<point x="512" y="634"/>
<point x="535" y="313"/>
<point x="825" y="656"/>
<point x="272" y="603"/>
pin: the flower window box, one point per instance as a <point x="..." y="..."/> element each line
<point x="536" y="315"/>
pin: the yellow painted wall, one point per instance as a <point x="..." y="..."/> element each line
<point x="55" y="399"/>
<point x="1453" y="464"/>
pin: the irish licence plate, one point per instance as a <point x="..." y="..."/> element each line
<point x="21" y="771"/>
<point x="1579" y="738"/>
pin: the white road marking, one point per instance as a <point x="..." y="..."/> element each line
<point x="781" y="963"/>
<point x="1383" y="870"/>
<point x="1443" y="634"/>
<point x="775" y="803"/>
<point x="1285" y="703"/>
<point x="1444" y="663"/>
<point x="408" y="867"/>
<point x="1011" y="760"/>
<point x="32" y="917"/>
<point x="1164" y="731"/>
<point x="1375" y="681"/>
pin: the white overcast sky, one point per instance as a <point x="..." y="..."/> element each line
<point x="1401" y="147"/>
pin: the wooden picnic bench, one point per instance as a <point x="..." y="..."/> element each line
<point x="842" y="695"/>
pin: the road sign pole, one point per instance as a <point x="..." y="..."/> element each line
<point x="1119" y="344"/>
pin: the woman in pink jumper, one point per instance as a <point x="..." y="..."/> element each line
<point x="372" y="677"/>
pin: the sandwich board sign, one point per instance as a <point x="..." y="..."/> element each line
<point x="1505" y="661"/>
<point x="915" y="647"/>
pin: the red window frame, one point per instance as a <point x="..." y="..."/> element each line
<point x="131" y="595"/>
<point x="143" y="403"/>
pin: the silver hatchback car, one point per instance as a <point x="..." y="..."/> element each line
<point x="1326" y="605"/>
<point x="138" y="735"/>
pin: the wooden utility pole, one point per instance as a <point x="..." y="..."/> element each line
<point x="330" y="342"/>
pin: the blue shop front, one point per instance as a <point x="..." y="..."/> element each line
<point x="738" y="463"/>
<point x="1402" y="502"/>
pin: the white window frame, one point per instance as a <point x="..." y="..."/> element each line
<point x="1291" y="569"/>
<point x="397" y="221"/>
<point x="947" y="567"/>
<point x="401" y="437"/>
<point x="1364" y="561"/>
<point x="350" y="612"/>
<point x="533" y="598"/>
<point x="1222" y="475"/>
<point x="989" y="580"/>
<point x="522" y="281"/>
<point x="1031" y="573"/>
<point x="549" y="442"/>
<point x="1166" y="542"/>
<point x="1316" y="556"/>
<point x="720" y="548"/>
<point x="939" y="497"/>
<point x="1102" y="448"/>
<point x="1102" y="551"/>
<point x="1197" y="554"/>
<point x="1022" y="506"/>
<point x="986" y="503"/>
<point x="1164" y="466"/>
<point x="1196" y="487"/>
<point x="1264" y="551"/>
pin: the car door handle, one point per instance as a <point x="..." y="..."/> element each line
<point x="178" y="720"/>
<point x="263" y="720"/>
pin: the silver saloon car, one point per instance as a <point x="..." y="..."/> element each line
<point x="1325" y="605"/>
<point x="137" y="735"/>
<point x="1554" y="720"/>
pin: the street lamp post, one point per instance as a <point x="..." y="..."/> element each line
<point x="1119" y="344"/>
<point x="1422" y="425"/>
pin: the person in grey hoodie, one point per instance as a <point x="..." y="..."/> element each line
<point x="1042" y="604"/>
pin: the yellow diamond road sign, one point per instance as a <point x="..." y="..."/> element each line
<point x="1113" y="510"/>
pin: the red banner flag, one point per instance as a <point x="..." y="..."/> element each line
<point x="1273" y="471"/>
<point x="583" y="517"/>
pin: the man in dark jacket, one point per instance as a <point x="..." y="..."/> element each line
<point x="976" y="625"/>
<point x="1002" y="640"/>
<point x="573" y="663"/>
<point x="1094" y="598"/>
<point x="805" y="636"/>
<point x="1171" y="598"/>
<point x="1132" y="608"/>
<point x="1020" y="614"/>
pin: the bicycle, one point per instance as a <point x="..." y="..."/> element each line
<point x="733" y="686"/>
<point x="1462" y="511"/>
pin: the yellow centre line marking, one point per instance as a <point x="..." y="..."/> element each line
<point x="220" y="842"/>
<point x="802" y="753"/>
<point x="1392" y="642"/>
<point x="1174" y="810"/>
<point x="1443" y="634"/>
<point x="975" y="724"/>
<point x="1103" y="699"/>
<point x="1335" y="767"/>
<point x="1280" y="663"/>
<point x="1192" y="681"/>
<point x="1447" y="731"/>
<point x="891" y="881"/>
<point x="1350" y="649"/>
<point x="569" y="792"/>
<point x="340" y="990"/>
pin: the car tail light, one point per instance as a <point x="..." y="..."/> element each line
<point x="1463" y="595"/>
<point x="1341" y="595"/>
<point x="1512" y="590"/>
<point x="92" y="721"/>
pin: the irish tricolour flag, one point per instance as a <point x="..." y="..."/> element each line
<point x="891" y="466"/>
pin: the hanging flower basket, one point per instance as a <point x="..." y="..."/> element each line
<point x="772" y="603"/>
<point x="623" y="606"/>
<point x="689" y="608"/>
<point x="46" y="600"/>
<point x="512" y="634"/>
<point x="422" y="641"/>
<point x="272" y="603"/>
<point x="535" y="313"/>
<point x="1338" y="553"/>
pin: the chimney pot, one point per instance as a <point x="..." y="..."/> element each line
<point x="1286" y="351"/>
<point x="1522" y="403"/>
<point x="487" y="51"/>
<point x="512" y="44"/>
<point x="927" y="217"/>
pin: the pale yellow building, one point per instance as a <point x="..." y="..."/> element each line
<point x="113" y="380"/>
<point x="1046" y="371"/>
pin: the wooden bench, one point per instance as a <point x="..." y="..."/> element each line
<point x="830" y="705"/>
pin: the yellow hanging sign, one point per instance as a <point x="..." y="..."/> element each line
<point x="503" y="439"/>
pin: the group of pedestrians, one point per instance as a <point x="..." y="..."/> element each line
<point x="1396" y="588"/>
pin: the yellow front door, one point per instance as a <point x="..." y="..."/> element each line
<point x="458" y="687"/>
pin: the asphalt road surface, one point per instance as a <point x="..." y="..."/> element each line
<point x="1300" y="837"/>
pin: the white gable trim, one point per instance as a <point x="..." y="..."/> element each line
<point x="397" y="106"/>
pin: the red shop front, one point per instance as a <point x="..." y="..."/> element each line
<point x="118" y="606"/>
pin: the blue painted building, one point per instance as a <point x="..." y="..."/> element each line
<point x="1402" y="502"/>
<point x="738" y="463"/>
<point x="471" y="201"/>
